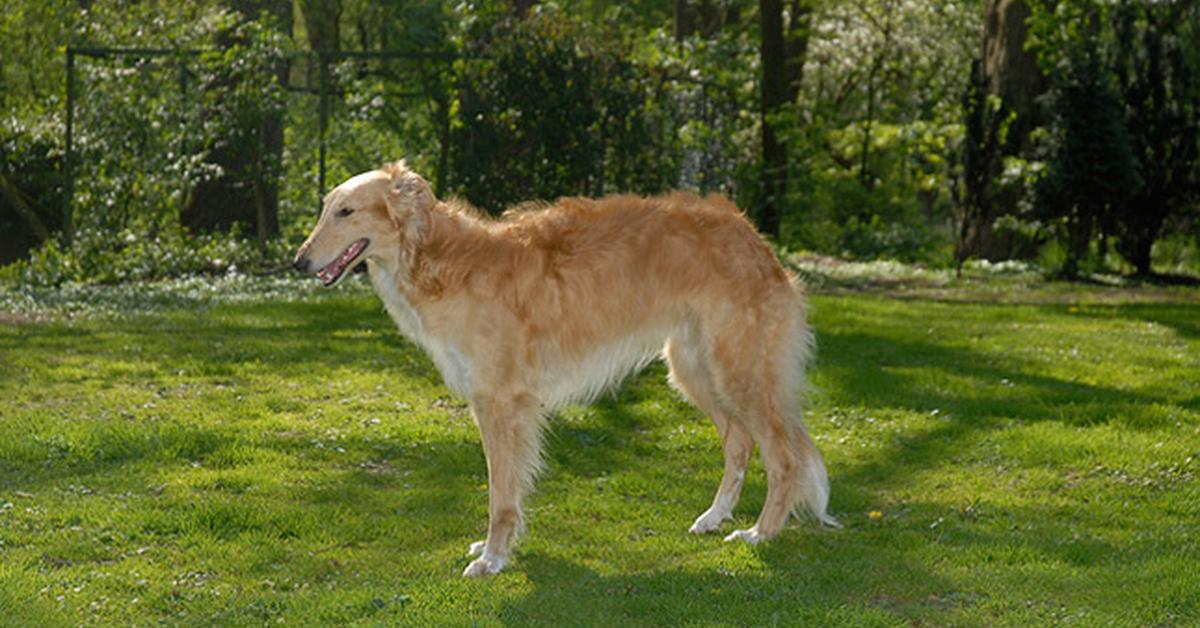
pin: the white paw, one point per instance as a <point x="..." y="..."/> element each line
<point x="751" y="536"/>
<point x="710" y="521"/>
<point x="477" y="548"/>
<point x="485" y="565"/>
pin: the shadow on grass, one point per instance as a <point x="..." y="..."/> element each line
<point x="567" y="593"/>
<point x="616" y="440"/>
<point x="293" y="337"/>
<point x="898" y="570"/>
<point x="869" y="370"/>
<point x="1183" y="319"/>
<point x="214" y="483"/>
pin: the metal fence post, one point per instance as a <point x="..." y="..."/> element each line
<point x="322" y="120"/>
<point x="69" y="156"/>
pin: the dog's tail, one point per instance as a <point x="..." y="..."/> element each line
<point x="814" y="481"/>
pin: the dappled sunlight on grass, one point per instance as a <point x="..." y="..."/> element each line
<point x="251" y="461"/>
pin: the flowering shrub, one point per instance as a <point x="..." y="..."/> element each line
<point x="101" y="256"/>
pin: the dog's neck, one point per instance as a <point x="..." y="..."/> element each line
<point x="423" y="261"/>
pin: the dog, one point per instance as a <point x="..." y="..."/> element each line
<point x="555" y="303"/>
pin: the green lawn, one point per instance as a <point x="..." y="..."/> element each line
<point x="263" y="462"/>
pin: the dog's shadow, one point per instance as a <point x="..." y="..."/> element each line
<point x="869" y="570"/>
<point x="794" y="592"/>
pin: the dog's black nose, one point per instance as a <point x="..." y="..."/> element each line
<point x="301" y="264"/>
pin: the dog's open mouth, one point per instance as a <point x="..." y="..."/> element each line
<point x="335" y="269"/>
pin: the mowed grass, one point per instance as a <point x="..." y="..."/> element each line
<point x="300" y="463"/>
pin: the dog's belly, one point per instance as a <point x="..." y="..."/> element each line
<point x="565" y="378"/>
<point x="561" y="377"/>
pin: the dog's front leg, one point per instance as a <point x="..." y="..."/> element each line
<point x="511" y="429"/>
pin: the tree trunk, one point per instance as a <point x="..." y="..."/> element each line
<point x="782" y="57"/>
<point x="1140" y="257"/>
<point x="520" y="8"/>
<point x="774" y="96"/>
<point x="17" y="201"/>
<point x="1010" y="72"/>
<point x="684" y="23"/>
<point x="705" y="18"/>
<point x="321" y="21"/>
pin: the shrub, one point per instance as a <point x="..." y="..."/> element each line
<point x="32" y="186"/>
<point x="550" y="111"/>
<point x="102" y="256"/>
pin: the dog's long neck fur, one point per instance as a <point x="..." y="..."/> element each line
<point x="426" y="258"/>
<point x="420" y="267"/>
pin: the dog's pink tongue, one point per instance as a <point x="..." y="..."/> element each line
<point x="334" y="269"/>
<point x="331" y="272"/>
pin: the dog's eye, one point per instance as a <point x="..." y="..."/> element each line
<point x="345" y="211"/>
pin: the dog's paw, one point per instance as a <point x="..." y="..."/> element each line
<point x="710" y="521"/>
<point x="477" y="548"/>
<point x="750" y="535"/>
<point x="484" y="566"/>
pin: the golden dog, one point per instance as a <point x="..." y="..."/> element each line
<point x="554" y="304"/>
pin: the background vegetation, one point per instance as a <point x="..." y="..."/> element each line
<point x="1060" y="132"/>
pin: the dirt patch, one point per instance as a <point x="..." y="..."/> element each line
<point x="1025" y="295"/>
<point x="14" y="319"/>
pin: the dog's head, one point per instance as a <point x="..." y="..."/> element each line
<point x="369" y="216"/>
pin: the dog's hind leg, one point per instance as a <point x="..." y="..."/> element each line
<point x="511" y="429"/>
<point x="691" y="376"/>
<point x="760" y="369"/>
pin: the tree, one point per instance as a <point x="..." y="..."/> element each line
<point x="322" y="20"/>
<point x="1091" y="170"/>
<point x="980" y="154"/>
<point x="1009" y="72"/>
<point x="552" y="109"/>
<point x="782" y="51"/>
<point x="245" y="161"/>
<point x="702" y="17"/>
<point x="1162" y="113"/>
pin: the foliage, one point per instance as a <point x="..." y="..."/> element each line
<point x="591" y="98"/>
<point x="297" y="463"/>
<point x="34" y="34"/>
<point x="398" y="107"/>
<point x="876" y="130"/>
<point x="142" y="128"/>
<point x="709" y="91"/>
<point x="1091" y="169"/>
<point x="902" y="216"/>
<point x="33" y="188"/>
<point x="135" y="129"/>
<point x="1121" y="158"/>
<point x="1158" y="71"/>
<point x="239" y="135"/>
<point x="551" y="110"/>
<point x="109" y="256"/>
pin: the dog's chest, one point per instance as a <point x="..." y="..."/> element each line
<point x="451" y="362"/>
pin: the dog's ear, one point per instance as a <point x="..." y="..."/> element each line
<point x="408" y="193"/>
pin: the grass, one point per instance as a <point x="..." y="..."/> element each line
<point x="254" y="461"/>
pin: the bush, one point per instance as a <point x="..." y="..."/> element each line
<point x="101" y="256"/>
<point x="553" y="111"/>
<point x="898" y="209"/>
<point x="32" y="186"/>
<point x="1178" y="254"/>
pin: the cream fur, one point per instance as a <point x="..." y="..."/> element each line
<point x="555" y="304"/>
